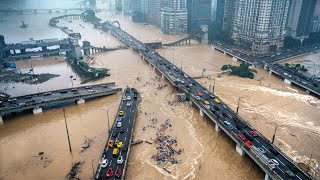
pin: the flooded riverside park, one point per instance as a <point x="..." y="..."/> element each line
<point x="266" y="102"/>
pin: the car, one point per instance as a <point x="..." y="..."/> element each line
<point x="207" y="106"/>
<point x="104" y="163"/>
<point x="290" y="174"/>
<point x="229" y="126"/>
<point x="199" y="94"/>
<point x="275" y="152"/>
<point x="206" y="102"/>
<point x="63" y="91"/>
<point x="109" y="172"/>
<point x="224" y="114"/>
<point x="119" y="119"/>
<point x="226" y="122"/>
<point x="181" y="81"/>
<point x="125" y="148"/>
<point x="128" y="103"/>
<point x="87" y="87"/>
<point x="121" y="130"/>
<point x="216" y="108"/>
<point x="128" y="98"/>
<point x="47" y="93"/>
<point x="253" y="133"/>
<point x="197" y="98"/>
<point x="27" y="97"/>
<point x="115" y="152"/>
<point x="293" y="167"/>
<point x="74" y="89"/>
<point x="212" y="96"/>
<point x="118" y="173"/>
<point x="114" y="133"/>
<point x="119" y="124"/>
<point x="186" y="76"/>
<point x="205" y="91"/>
<point x="111" y="143"/>
<point x="120" y="160"/>
<point x="224" y="106"/>
<point x="248" y="144"/>
<point x="12" y="100"/>
<point x="242" y="137"/>
<point x="248" y="136"/>
<point x="217" y="100"/>
<point x="236" y="120"/>
<point x="90" y="90"/>
<point x="120" y="144"/>
<point x="124" y="98"/>
<point x="121" y="113"/>
<point x="22" y="104"/>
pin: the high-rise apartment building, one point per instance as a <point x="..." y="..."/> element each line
<point x="317" y="9"/>
<point x="139" y="10"/>
<point x="315" y="24"/>
<point x="126" y="6"/>
<point x="154" y="12"/>
<point x="118" y="5"/>
<point x="199" y="13"/>
<point x="299" y="18"/>
<point x="174" y="17"/>
<point x="260" y="24"/>
<point x="222" y="15"/>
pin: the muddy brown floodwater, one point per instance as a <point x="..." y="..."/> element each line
<point x="266" y="102"/>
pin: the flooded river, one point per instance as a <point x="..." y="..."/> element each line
<point x="266" y="102"/>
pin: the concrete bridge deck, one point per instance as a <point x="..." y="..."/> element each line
<point x="37" y="101"/>
<point x="272" y="161"/>
<point x="124" y="136"/>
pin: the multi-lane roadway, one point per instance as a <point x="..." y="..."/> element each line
<point x="114" y="157"/>
<point x="260" y="149"/>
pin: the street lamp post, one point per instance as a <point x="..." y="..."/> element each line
<point x="92" y="168"/>
<point x="65" y="121"/>
<point x="238" y="105"/>
<point x="274" y="134"/>
<point x="71" y="80"/>
<point x="108" y="117"/>
<point x="214" y="84"/>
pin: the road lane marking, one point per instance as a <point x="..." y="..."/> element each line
<point x="280" y="161"/>
<point x="257" y="141"/>
<point x="129" y="120"/>
<point x="127" y="129"/>
<point x="110" y="163"/>
<point x="281" y="170"/>
<point x="125" y="138"/>
<point x="298" y="177"/>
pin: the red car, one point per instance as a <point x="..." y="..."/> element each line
<point x="241" y="137"/>
<point x="248" y="144"/>
<point x="110" y="172"/>
<point x="200" y="94"/>
<point x="118" y="173"/>
<point x="254" y="133"/>
<point x="224" y="114"/>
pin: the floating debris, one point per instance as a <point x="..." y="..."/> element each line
<point x="86" y="144"/>
<point x="136" y="142"/>
<point x="73" y="174"/>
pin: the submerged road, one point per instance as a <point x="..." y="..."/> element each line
<point x="119" y="134"/>
<point x="274" y="162"/>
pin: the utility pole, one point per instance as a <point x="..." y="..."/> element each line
<point x="238" y="105"/>
<point x="181" y="64"/>
<point x="214" y="84"/>
<point x="274" y="134"/>
<point x="65" y="121"/>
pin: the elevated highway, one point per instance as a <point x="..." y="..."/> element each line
<point x="248" y="141"/>
<point x="38" y="101"/>
<point x="120" y="134"/>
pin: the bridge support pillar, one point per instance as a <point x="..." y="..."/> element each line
<point x="217" y="128"/>
<point x="37" y="110"/>
<point x="240" y="150"/>
<point x="80" y="101"/>
<point x="154" y="68"/>
<point x="190" y="102"/>
<point x="287" y="81"/>
<point x="267" y="177"/>
<point x="1" y="120"/>
<point x="201" y="113"/>
<point x="234" y="58"/>
<point x="162" y="76"/>
<point x="270" y="72"/>
<point x="307" y="91"/>
<point x="224" y="52"/>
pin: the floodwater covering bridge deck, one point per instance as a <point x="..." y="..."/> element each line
<point x="52" y="98"/>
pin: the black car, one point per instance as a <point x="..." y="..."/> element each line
<point x="216" y="108"/>
<point x="248" y="136"/>
<point x="275" y="152"/>
<point x="115" y="133"/>
<point x="125" y="148"/>
<point x="293" y="167"/>
<point x="121" y="130"/>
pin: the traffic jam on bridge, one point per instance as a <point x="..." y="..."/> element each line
<point x="116" y="151"/>
<point x="25" y="101"/>
<point x="277" y="162"/>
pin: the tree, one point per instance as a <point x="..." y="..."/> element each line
<point x="291" y="43"/>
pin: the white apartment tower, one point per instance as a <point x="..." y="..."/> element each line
<point x="173" y="16"/>
<point x="261" y="24"/>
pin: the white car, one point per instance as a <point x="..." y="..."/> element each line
<point x="104" y="163"/>
<point x="197" y="98"/>
<point x="128" y="103"/>
<point x="124" y="98"/>
<point x="119" y="124"/>
<point x="207" y="106"/>
<point x="120" y="160"/>
<point x="128" y="98"/>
